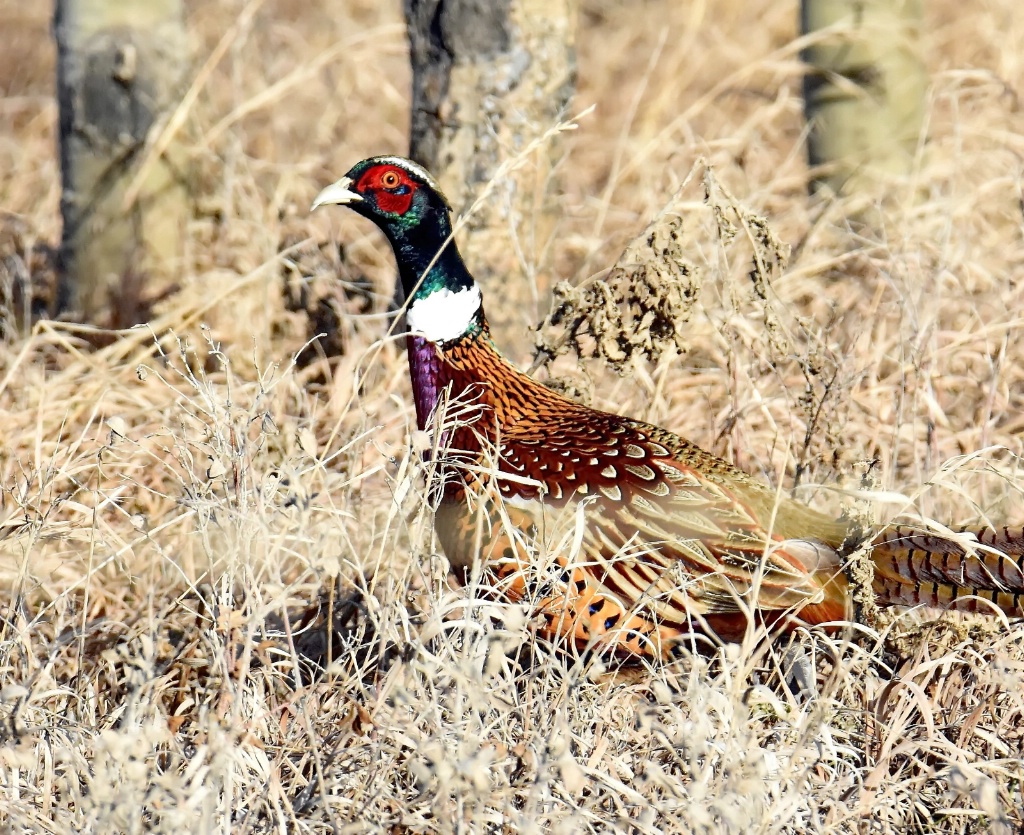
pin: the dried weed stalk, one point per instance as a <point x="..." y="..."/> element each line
<point x="637" y="310"/>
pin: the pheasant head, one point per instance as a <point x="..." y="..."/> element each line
<point x="409" y="208"/>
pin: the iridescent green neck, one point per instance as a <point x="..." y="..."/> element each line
<point x="428" y="259"/>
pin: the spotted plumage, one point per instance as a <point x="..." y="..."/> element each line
<point x="621" y="534"/>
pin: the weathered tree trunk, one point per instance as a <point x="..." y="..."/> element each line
<point x="864" y="91"/>
<point x="489" y="76"/>
<point x="122" y="67"/>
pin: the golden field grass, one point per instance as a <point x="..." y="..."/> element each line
<point x="192" y="521"/>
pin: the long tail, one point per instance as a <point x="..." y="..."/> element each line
<point x="914" y="568"/>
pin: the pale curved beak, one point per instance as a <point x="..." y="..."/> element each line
<point x="337" y="193"/>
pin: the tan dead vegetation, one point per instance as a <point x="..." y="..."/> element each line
<point x="192" y="522"/>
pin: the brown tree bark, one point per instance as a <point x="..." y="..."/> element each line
<point x="490" y="76"/>
<point x="122" y="68"/>
<point x="864" y="91"/>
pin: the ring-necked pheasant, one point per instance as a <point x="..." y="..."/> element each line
<point x="624" y="535"/>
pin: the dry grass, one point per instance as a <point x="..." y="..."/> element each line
<point x="193" y="524"/>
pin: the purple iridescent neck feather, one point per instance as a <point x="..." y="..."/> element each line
<point x="425" y="368"/>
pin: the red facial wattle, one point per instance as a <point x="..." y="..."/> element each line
<point x="391" y="187"/>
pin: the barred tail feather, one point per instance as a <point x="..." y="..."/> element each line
<point x="913" y="568"/>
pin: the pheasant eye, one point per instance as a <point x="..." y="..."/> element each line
<point x="390" y="179"/>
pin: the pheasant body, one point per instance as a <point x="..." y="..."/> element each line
<point x="621" y="534"/>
